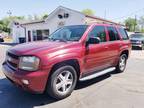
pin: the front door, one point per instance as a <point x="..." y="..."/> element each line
<point x="29" y="36"/>
<point x="96" y="57"/>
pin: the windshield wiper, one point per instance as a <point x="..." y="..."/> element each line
<point x="62" y="40"/>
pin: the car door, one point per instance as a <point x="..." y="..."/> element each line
<point x="96" y="57"/>
<point x="114" y="45"/>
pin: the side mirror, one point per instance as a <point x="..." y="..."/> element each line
<point x="94" y="40"/>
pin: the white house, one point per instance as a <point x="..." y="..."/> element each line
<point x="61" y="16"/>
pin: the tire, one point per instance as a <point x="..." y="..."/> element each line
<point x="121" y="63"/>
<point x="62" y="82"/>
<point x="142" y="48"/>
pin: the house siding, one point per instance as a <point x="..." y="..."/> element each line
<point x="53" y="23"/>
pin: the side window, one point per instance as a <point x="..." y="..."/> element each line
<point x="98" y="31"/>
<point x="123" y="33"/>
<point x="113" y="34"/>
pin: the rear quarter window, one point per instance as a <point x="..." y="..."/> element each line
<point x="123" y="33"/>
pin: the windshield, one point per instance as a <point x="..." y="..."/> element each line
<point x="69" y="33"/>
<point x="137" y="36"/>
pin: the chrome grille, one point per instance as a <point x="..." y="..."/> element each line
<point x="133" y="41"/>
<point x="12" y="55"/>
<point x="12" y="60"/>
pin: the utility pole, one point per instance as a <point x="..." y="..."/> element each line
<point x="105" y="14"/>
<point x="9" y="13"/>
<point x="135" y="23"/>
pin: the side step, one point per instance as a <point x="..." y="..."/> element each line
<point x="100" y="73"/>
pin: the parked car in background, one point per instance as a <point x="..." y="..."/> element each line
<point x="71" y="54"/>
<point x="137" y="40"/>
<point x="1" y="38"/>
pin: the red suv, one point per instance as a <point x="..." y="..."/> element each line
<point x="71" y="54"/>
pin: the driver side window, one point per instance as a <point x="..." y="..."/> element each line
<point x="98" y="31"/>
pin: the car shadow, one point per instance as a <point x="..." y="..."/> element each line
<point x="13" y="97"/>
<point x="136" y="49"/>
<point x="88" y="83"/>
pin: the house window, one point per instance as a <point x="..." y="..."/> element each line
<point x="40" y="34"/>
<point x="45" y="34"/>
<point x="34" y="35"/>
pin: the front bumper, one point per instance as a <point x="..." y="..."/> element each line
<point x="36" y="80"/>
<point x="137" y="45"/>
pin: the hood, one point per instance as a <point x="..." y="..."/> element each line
<point x="137" y="39"/>
<point x="39" y="47"/>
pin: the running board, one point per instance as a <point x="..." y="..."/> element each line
<point x="100" y="73"/>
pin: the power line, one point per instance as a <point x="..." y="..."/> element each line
<point x="133" y="13"/>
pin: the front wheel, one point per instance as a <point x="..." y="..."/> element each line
<point x="122" y="63"/>
<point x="62" y="82"/>
<point x="142" y="48"/>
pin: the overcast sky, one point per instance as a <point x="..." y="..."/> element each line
<point x="115" y="9"/>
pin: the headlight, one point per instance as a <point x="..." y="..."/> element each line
<point x="29" y="63"/>
<point x="139" y="42"/>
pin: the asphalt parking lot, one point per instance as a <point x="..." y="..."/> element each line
<point x="125" y="90"/>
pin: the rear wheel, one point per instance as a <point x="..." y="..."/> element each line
<point x="62" y="82"/>
<point x="122" y="63"/>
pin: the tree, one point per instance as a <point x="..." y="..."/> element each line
<point x="131" y="24"/>
<point x="1" y="27"/>
<point x="36" y="17"/>
<point x="88" y="12"/>
<point x="30" y="17"/>
<point x="4" y="23"/>
<point x="141" y="23"/>
<point x="44" y="16"/>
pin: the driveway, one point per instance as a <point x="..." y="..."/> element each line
<point x="137" y="54"/>
<point x="3" y="49"/>
<point x="125" y="90"/>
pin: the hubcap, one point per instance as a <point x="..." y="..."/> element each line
<point x="64" y="82"/>
<point x="122" y="63"/>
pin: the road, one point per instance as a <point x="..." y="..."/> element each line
<point x="125" y="90"/>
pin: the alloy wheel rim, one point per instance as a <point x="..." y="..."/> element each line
<point x="64" y="82"/>
<point x="122" y="63"/>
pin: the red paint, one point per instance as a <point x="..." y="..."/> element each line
<point x="93" y="57"/>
